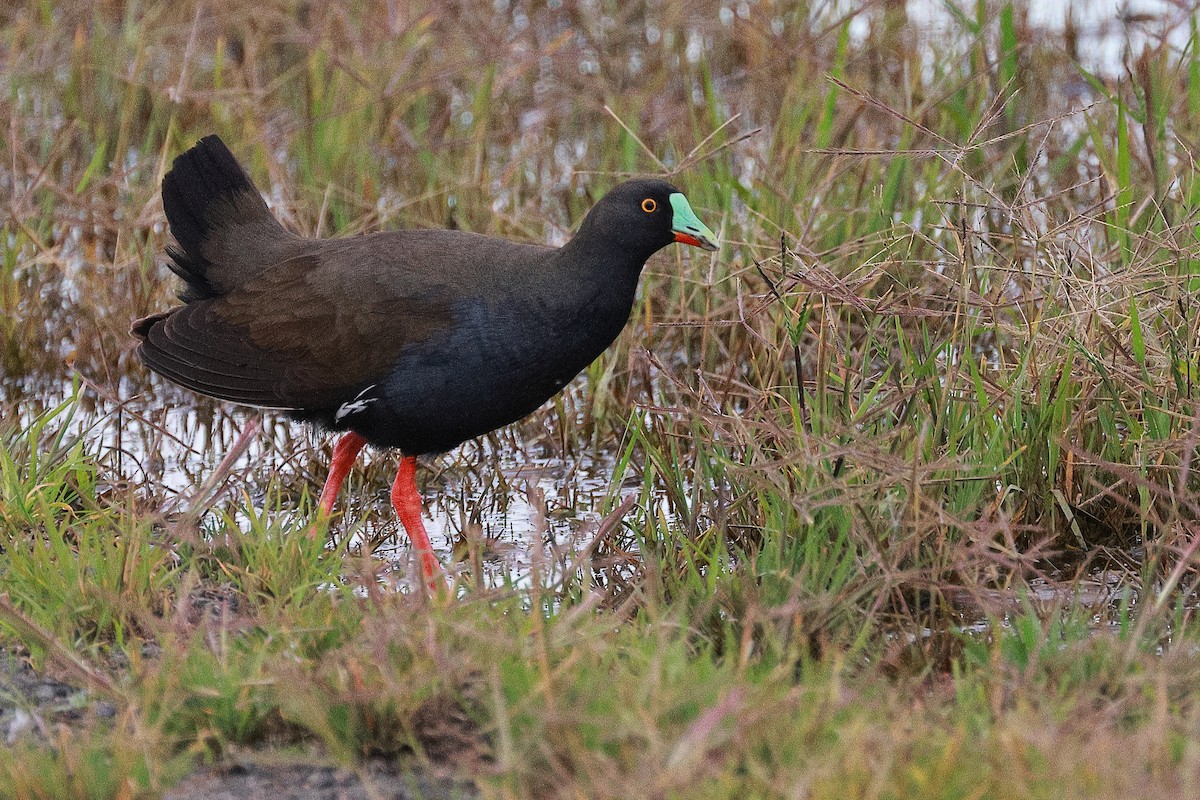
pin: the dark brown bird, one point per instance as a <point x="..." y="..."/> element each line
<point x="416" y="340"/>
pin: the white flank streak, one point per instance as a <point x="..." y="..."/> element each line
<point x="356" y="405"/>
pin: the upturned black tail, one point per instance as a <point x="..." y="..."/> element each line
<point x="205" y="191"/>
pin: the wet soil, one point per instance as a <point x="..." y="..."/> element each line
<point x="262" y="781"/>
<point x="32" y="703"/>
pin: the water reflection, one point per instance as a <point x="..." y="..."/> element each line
<point x="491" y="504"/>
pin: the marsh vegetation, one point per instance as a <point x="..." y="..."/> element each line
<point x="893" y="496"/>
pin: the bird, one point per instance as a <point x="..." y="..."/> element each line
<point x="415" y="340"/>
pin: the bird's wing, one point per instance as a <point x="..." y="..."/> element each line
<point x="294" y="337"/>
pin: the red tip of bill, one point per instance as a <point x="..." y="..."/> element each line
<point x="695" y="241"/>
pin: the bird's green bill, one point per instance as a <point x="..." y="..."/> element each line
<point x="687" y="227"/>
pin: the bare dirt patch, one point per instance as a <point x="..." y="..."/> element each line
<point x="263" y="781"/>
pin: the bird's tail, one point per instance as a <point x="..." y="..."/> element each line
<point x="207" y="196"/>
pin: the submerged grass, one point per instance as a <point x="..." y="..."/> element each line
<point x="912" y="456"/>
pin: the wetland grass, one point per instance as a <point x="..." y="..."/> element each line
<point x="894" y="496"/>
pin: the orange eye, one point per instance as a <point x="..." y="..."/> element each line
<point x="649" y="205"/>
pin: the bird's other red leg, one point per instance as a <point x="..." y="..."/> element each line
<point x="407" y="502"/>
<point x="344" y="453"/>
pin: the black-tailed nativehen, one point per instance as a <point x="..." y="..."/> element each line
<point x="416" y="340"/>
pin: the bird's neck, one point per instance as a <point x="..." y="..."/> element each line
<point x="605" y="252"/>
<point x="601" y="283"/>
<point x="590" y="293"/>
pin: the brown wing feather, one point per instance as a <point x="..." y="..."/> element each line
<point x="290" y="338"/>
<point x="352" y="323"/>
<point x="193" y="347"/>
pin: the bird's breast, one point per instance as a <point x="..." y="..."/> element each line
<point x="495" y="364"/>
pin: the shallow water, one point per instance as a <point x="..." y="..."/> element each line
<point x="525" y="514"/>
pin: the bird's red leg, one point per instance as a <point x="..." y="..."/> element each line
<point x="407" y="501"/>
<point x="344" y="453"/>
